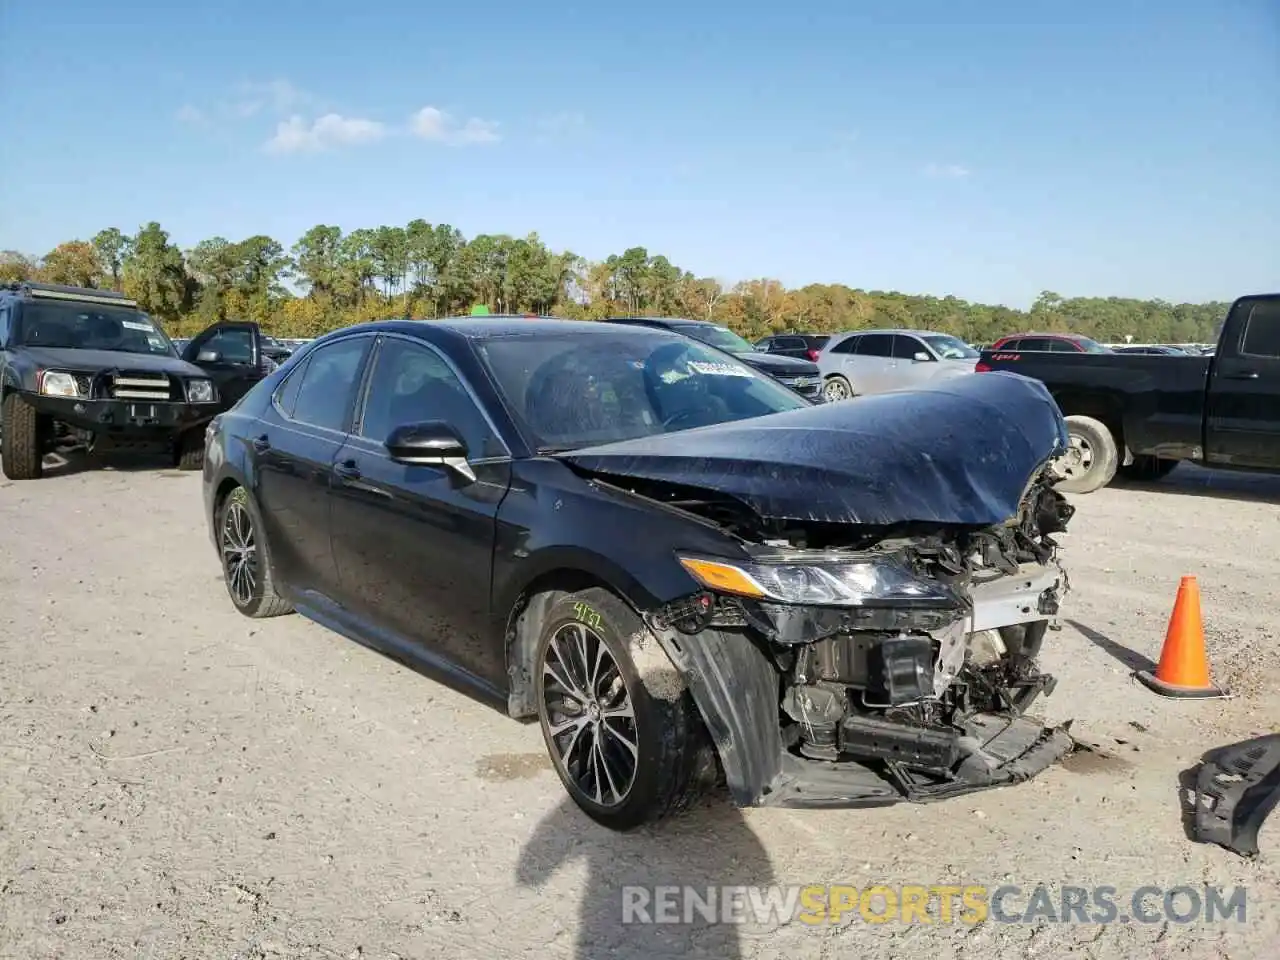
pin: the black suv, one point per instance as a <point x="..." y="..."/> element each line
<point x="84" y="368"/>
<point x="804" y="346"/>
<point x="802" y="376"/>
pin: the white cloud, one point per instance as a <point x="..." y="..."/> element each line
<point x="946" y="171"/>
<point x="431" y="123"/>
<point x="295" y="135"/>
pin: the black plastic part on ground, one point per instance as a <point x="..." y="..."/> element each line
<point x="1236" y="788"/>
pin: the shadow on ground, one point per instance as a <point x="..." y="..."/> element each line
<point x="708" y="846"/>
<point x="1130" y="658"/>
<point x="1189" y="480"/>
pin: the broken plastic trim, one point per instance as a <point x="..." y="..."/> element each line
<point x="1236" y="788"/>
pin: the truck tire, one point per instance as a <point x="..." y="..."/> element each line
<point x="189" y="454"/>
<point x="1091" y="462"/>
<point x="21" y="449"/>
<point x="1146" y="467"/>
<point x="623" y="733"/>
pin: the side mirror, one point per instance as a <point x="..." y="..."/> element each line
<point x="921" y="357"/>
<point x="208" y="356"/>
<point x="431" y="444"/>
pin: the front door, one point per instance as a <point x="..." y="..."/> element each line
<point x="231" y="353"/>
<point x="1243" y="410"/>
<point x="414" y="543"/>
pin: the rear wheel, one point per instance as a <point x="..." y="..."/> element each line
<point x="836" y="388"/>
<point x="246" y="565"/>
<point x="21" y="440"/>
<point x="1091" y="459"/>
<point x="628" y="753"/>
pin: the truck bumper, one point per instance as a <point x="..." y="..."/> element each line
<point x="127" y="424"/>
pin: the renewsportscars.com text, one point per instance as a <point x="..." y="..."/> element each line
<point x="933" y="903"/>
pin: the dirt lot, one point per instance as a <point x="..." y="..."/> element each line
<point x="177" y="781"/>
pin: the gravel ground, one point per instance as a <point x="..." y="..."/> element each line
<point x="177" y="781"/>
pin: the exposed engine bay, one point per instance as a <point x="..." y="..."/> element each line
<point x="915" y="687"/>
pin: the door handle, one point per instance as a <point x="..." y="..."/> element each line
<point x="347" y="470"/>
<point x="261" y="443"/>
<point x="1243" y="375"/>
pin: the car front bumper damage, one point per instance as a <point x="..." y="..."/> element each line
<point x="733" y="677"/>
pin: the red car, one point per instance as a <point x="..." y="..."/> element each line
<point x="1055" y="342"/>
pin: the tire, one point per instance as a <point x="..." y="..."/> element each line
<point x="673" y="760"/>
<point x="21" y="447"/>
<point x="239" y="538"/>
<point x="1147" y="468"/>
<point x="1094" y="465"/>
<point x="190" y="453"/>
<point x="837" y="388"/>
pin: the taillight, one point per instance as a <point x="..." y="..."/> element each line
<point x="813" y="355"/>
<point x="982" y="367"/>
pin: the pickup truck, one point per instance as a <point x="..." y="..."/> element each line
<point x="1139" y="416"/>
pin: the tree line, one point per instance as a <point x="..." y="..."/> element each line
<point x="329" y="279"/>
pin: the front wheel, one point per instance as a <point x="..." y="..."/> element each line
<point x="623" y="732"/>
<point x="836" y="388"/>
<point x="21" y="439"/>
<point x="1091" y="459"/>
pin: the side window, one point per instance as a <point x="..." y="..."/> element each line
<point x="286" y="396"/>
<point x="234" y="346"/>
<point x="4" y="326"/>
<point x="789" y="343"/>
<point x="411" y="383"/>
<point x="329" y="383"/>
<point x="1035" y="344"/>
<point x="766" y="345"/>
<point x="905" y="348"/>
<point x="1063" y="346"/>
<point x="1262" y="330"/>
<point x="1013" y="345"/>
<point x="876" y="345"/>
<point x="847" y="345"/>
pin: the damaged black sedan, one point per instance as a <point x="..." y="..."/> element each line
<point x="683" y="570"/>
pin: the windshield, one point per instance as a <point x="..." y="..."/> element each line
<point x="951" y="348"/>
<point x="90" y="326"/>
<point x="572" y="390"/>
<point x="717" y="336"/>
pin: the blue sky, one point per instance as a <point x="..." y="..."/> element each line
<point x="990" y="150"/>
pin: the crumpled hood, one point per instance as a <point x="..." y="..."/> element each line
<point x="960" y="451"/>
<point x="93" y="361"/>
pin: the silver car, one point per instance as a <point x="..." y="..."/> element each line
<point x="874" y="361"/>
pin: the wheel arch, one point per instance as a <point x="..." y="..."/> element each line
<point x="1105" y="408"/>
<point x="527" y="611"/>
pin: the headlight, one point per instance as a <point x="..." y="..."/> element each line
<point x="830" y="583"/>
<point x="54" y="383"/>
<point x="200" y="391"/>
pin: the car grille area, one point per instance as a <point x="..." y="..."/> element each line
<point x="805" y="385"/>
<point x="154" y="387"/>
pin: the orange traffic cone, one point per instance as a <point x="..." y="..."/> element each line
<point x="1183" y="670"/>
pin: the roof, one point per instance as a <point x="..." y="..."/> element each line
<point x="1056" y="336"/>
<point x="497" y="326"/>
<point x="673" y="321"/>
<point x="58" y="291"/>
<point x="904" y="330"/>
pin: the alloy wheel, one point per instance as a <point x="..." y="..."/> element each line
<point x="1078" y="459"/>
<point x="591" y="723"/>
<point x="834" y="390"/>
<point x="239" y="553"/>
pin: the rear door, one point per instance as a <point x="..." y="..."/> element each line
<point x="231" y="354"/>
<point x="1242" y="425"/>
<point x="294" y="449"/>
<point x="874" y="366"/>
